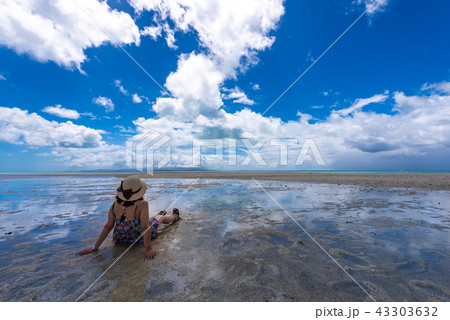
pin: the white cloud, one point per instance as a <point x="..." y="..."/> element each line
<point x="124" y="130"/>
<point x="317" y="107"/>
<point x="105" y="102"/>
<point x="255" y="86"/>
<point x="74" y="145"/>
<point x="154" y="32"/>
<point x="101" y="157"/>
<point x="229" y="29"/>
<point x="418" y="127"/>
<point x="170" y="36"/>
<point x="305" y="117"/>
<point x="59" y="31"/>
<point x="328" y="92"/>
<point x="360" y="103"/>
<point x="379" y="6"/>
<point x="231" y="32"/>
<point x="442" y="87"/>
<point x="2" y="77"/>
<point x="238" y="96"/>
<point x="88" y="114"/>
<point x="61" y="112"/>
<point x="122" y="90"/>
<point x="136" y="98"/>
<point x="195" y="86"/>
<point x="17" y="126"/>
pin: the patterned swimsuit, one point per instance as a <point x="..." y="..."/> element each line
<point x="128" y="231"/>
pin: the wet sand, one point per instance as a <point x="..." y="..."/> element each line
<point x="233" y="242"/>
<point x="427" y="180"/>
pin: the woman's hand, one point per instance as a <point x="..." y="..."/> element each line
<point x="149" y="255"/>
<point x="85" y="251"/>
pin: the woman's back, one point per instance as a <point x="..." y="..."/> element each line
<point x="127" y="228"/>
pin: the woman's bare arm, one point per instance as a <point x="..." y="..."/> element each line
<point x="145" y="224"/>
<point x="106" y="230"/>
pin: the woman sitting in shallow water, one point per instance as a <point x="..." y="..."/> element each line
<point x="129" y="217"/>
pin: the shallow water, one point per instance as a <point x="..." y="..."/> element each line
<point x="234" y="243"/>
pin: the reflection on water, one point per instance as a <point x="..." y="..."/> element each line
<point x="233" y="243"/>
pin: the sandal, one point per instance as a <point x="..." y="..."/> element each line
<point x="162" y="212"/>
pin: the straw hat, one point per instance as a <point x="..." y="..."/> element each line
<point x="131" y="188"/>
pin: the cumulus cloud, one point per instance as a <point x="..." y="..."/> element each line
<point x="59" y="31"/>
<point x="230" y="32"/>
<point x="237" y="96"/>
<point x="417" y="126"/>
<point x="101" y="157"/>
<point x="18" y="126"/>
<point x="74" y="145"/>
<point x="152" y="31"/>
<point x="104" y="102"/>
<point x="195" y="87"/>
<point x="136" y="98"/>
<point x="156" y="31"/>
<point x="255" y="86"/>
<point x="230" y="29"/>
<point x="61" y="112"/>
<point x="170" y="36"/>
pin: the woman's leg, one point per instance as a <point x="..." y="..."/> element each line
<point x="166" y="219"/>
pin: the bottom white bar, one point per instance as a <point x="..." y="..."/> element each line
<point x="231" y="311"/>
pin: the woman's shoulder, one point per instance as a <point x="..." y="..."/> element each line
<point x="114" y="205"/>
<point x="143" y="203"/>
<point x="114" y="208"/>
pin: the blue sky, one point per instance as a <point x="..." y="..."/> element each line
<point x="378" y="99"/>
